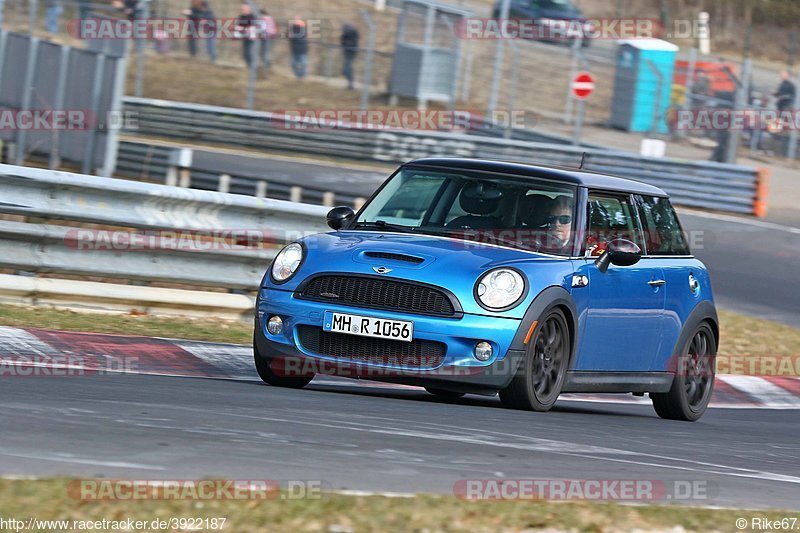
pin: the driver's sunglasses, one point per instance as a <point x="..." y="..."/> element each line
<point x="561" y="219"/>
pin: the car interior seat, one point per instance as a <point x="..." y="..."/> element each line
<point x="479" y="200"/>
<point x="534" y="210"/>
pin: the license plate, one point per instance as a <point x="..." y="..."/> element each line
<point x="367" y="326"/>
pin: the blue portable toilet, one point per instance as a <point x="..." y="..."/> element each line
<point x="643" y="82"/>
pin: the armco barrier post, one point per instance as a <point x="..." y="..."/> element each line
<point x="497" y="69"/>
<point x="180" y="164"/>
<point x="794" y="134"/>
<point x="368" y="61"/>
<point x="575" y="53"/>
<point x="142" y="10"/>
<point x="224" y="183"/>
<point x="27" y="93"/>
<point x="762" y="187"/>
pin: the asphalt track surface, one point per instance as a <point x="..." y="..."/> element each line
<point x="361" y="436"/>
<point x="753" y="265"/>
<point x="365" y="437"/>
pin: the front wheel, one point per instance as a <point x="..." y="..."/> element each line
<point x="694" y="380"/>
<point x="541" y="375"/>
<point x="268" y="374"/>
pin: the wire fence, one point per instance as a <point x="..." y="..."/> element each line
<point x="535" y="76"/>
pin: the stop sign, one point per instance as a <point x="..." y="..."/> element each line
<point x="582" y="85"/>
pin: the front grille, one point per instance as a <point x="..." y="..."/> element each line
<point x="394" y="257"/>
<point x="416" y="354"/>
<point x="377" y="293"/>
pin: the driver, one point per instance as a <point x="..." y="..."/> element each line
<point x="559" y="226"/>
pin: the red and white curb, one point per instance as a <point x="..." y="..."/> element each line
<point x="97" y="352"/>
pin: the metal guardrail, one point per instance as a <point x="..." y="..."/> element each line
<point x="150" y="161"/>
<point x="708" y="185"/>
<point x="119" y="204"/>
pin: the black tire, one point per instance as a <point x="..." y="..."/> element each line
<point x="691" y="390"/>
<point x="268" y="374"/>
<point x="452" y="395"/>
<point x="541" y="374"/>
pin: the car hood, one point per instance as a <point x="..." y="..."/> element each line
<point x="454" y="264"/>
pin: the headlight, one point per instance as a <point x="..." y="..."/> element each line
<point x="502" y="288"/>
<point x="286" y="262"/>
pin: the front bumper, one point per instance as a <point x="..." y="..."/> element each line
<point x="458" y="369"/>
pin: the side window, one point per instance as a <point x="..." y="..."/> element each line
<point x="609" y="217"/>
<point x="663" y="232"/>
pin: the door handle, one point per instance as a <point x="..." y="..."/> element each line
<point x="657" y="283"/>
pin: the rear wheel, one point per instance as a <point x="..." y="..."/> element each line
<point x="539" y="380"/>
<point x="444" y="393"/>
<point x="267" y="373"/>
<point x="694" y="381"/>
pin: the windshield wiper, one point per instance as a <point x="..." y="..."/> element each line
<point x="382" y="224"/>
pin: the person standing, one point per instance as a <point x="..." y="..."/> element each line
<point x="267" y="32"/>
<point x="131" y="9"/>
<point x="786" y="92"/>
<point x="54" y="10"/>
<point x="246" y="29"/>
<point x="298" y="45"/>
<point x="349" y="42"/>
<point x="194" y="14"/>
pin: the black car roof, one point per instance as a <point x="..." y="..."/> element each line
<point x="582" y="178"/>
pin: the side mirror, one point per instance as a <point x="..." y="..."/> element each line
<point x="619" y="252"/>
<point x="339" y="217"/>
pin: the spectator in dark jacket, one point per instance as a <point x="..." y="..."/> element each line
<point x="247" y="31"/>
<point x="208" y="26"/>
<point x="786" y="92"/>
<point x="298" y="45"/>
<point x="131" y="9"/>
<point x="194" y="15"/>
<point x="349" y="42"/>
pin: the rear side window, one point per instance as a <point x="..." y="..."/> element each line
<point x="663" y="232"/>
<point x="609" y="217"/>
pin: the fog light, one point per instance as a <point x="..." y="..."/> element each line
<point x="275" y="325"/>
<point x="483" y="351"/>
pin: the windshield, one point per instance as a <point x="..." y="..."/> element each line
<point x="522" y="213"/>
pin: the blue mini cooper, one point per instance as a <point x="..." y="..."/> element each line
<point x="485" y="277"/>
